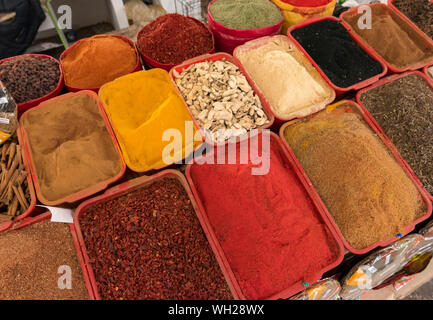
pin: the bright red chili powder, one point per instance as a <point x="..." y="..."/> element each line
<point x="268" y="227"/>
<point x="173" y="38"/>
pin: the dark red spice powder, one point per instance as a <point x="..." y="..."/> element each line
<point x="268" y="227"/>
<point x="173" y="38"/>
<point x="149" y="244"/>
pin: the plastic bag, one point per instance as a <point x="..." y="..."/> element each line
<point x="141" y="13"/>
<point x="379" y="266"/>
<point x="8" y="114"/>
<point x="327" y="289"/>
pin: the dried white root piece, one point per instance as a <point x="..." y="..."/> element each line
<point x="221" y="99"/>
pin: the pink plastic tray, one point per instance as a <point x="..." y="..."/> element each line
<point x="83" y="193"/>
<point x="219" y="252"/>
<point x="110" y="194"/>
<point x="155" y="64"/>
<point x="363" y="46"/>
<point x="22" y="107"/>
<point x="404" y="22"/>
<point x="229" y="58"/>
<point x="392" y="151"/>
<point x="257" y="43"/>
<point x="374" y="123"/>
<point x="138" y="67"/>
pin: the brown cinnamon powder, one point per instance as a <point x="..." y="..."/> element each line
<point x="365" y="190"/>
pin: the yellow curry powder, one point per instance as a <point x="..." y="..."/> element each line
<point x="142" y="106"/>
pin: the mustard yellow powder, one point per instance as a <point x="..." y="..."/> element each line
<point x="141" y="107"/>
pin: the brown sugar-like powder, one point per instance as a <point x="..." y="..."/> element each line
<point x="367" y="193"/>
<point x="30" y="259"/>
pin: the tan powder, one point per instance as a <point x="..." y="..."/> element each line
<point x="289" y="82"/>
<point x="365" y="190"/>
<point x="70" y="145"/>
<point x="30" y="259"/>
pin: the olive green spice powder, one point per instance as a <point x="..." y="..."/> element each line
<point x="245" y="14"/>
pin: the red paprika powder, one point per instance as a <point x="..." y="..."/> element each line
<point x="173" y="38"/>
<point x="272" y="235"/>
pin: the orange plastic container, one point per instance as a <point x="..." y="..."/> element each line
<point x="257" y="43"/>
<point x="155" y="64"/>
<point x="229" y="58"/>
<point x="83" y="193"/>
<point x="405" y="23"/>
<point x="138" y="67"/>
<point x="115" y="192"/>
<point x="374" y="123"/>
<point x="22" y="107"/>
<point x="294" y="166"/>
<point x="339" y="90"/>
<point x="393" y="152"/>
<point x="227" y="39"/>
<point x="8" y="225"/>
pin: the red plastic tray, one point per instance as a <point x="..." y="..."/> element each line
<point x="138" y="67"/>
<point x="392" y="151"/>
<point x="257" y="43"/>
<point x="8" y="225"/>
<point x="367" y="49"/>
<point x="229" y="58"/>
<point x="110" y="194"/>
<point x="425" y="69"/>
<point x="373" y="121"/>
<point x="227" y="39"/>
<point x="155" y="64"/>
<point x="47" y="215"/>
<point x="83" y="193"/>
<point x="219" y="252"/>
<point x="22" y="107"/>
<point x="403" y="21"/>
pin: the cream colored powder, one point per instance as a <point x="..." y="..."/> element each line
<point x="430" y="70"/>
<point x="277" y="69"/>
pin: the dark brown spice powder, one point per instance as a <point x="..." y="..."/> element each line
<point x="404" y="110"/>
<point x="29" y="262"/>
<point x="149" y="244"/>
<point x="419" y="11"/>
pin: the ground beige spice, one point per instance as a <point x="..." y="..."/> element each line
<point x="290" y="83"/>
<point x="29" y="261"/>
<point x="365" y="190"/>
<point x="70" y="145"/>
<point x="398" y="44"/>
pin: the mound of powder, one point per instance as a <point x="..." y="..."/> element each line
<point x="365" y="190"/>
<point x="245" y="14"/>
<point x="289" y="82"/>
<point x="70" y="146"/>
<point x="393" y="39"/>
<point x="97" y="60"/>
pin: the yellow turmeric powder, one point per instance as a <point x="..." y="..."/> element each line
<point x="142" y="107"/>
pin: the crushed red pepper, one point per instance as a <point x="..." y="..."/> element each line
<point x="173" y="38"/>
<point x="149" y="244"/>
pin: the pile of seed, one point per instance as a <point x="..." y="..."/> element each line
<point x="149" y="244"/>
<point x="419" y="11"/>
<point x="30" y="259"/>
<point x="365" y="190"/>
<point x="221" y="99"/>
<point x="404" y="110"/>
<point x="337" y="54"/>
<point x="29" y="77"/>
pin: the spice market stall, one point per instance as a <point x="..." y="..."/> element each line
<point x="225" y="160"/>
